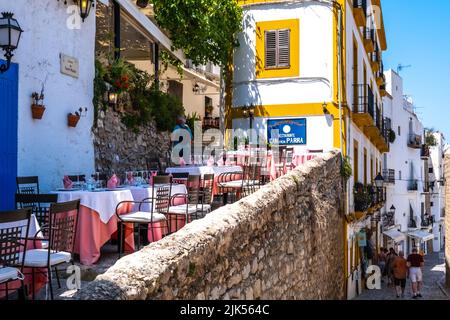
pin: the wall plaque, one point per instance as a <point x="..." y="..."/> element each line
<point x="69" y="66"/>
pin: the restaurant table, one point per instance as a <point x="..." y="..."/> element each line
<point x="40" y="275"/>
<point x="97" y="221"/>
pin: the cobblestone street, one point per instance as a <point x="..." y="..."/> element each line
<point x="434" y="273"/>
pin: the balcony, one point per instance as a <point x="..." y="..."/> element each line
<point x="364" y="106"/>
<point x="369" y="39"/>
<point x="210" y="123"/>
<point x="380" y="78"/>
<point x="375" y="61"/>
<point x="367" y="199"/>
<point x="413" y="185"/>
<point x="425" y="152"/>
<point x="383" y="90"/>
<point x="389" y="176"/>
<point x="414" y="141"/>
<point x="360" y="12"/>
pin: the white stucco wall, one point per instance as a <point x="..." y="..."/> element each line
<point x="400" y="156"/>
<point x="438" y="192"/>
<point x="48" y="147"/>
<point x="316" y="57"/>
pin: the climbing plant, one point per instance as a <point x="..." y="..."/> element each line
<point x="205" y="30"/>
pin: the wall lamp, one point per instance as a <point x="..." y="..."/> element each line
<point x="84" y="6"/>
<point x="10" y="32"/>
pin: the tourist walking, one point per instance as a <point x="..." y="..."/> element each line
<point x="415" y="264"/>
<point x="389" y="259"/>
<point x="382" y="262"/>
<point x="400" y="271"/>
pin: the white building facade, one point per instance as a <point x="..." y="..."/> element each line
<point x="405" y="217"/>
<point x="437" y="189"/>
<point x="47" y="147"/>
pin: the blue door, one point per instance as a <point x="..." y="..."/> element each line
<point x="8" y="136"/>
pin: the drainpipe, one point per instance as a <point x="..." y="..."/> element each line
<point x="116" y="14"/>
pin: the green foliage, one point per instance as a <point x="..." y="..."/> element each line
<point x="99" y="87"/>
<point x="392" y="136"/>
<point x="363" y="197"/>
<point x="146" y="101"/>
<point x="430" y="139"/>
<point x="191" y="119"/>
<point x="168" y="59"/>
<point x="346" y="168"/>
<point x="206" y="30"/>
<point x="119" y="75"/>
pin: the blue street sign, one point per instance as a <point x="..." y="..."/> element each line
<point x="290" y="131"/>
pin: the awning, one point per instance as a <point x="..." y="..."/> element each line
<point x="149" y="28"/>
<point x="421" y="235"/>
<point x="395" y="235"/>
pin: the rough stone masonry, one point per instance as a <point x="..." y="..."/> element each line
<point x="283" y="242"/>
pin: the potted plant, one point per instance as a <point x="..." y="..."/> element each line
<point x="362" y="198"/>
<point x="73" y="118"/>
<point x="37" y="107"/>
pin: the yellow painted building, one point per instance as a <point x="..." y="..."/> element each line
<point x="318" y="62"/>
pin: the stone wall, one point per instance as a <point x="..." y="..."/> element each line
<point x="447" y="219"/>
<point x="283" y="242"/>
<point x="121" y="149"/>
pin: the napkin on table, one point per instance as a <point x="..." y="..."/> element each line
<point x="210" y="162"/>
<point x="113" y="182"/>
<point x="68" y="184"/>
<point x="130" y="177"/>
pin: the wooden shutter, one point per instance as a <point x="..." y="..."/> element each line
<point x="271" y="49"/>
<point x="283" y="48"/>
<point x="277" y="48"/>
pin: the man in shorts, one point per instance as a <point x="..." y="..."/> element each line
<point x="400" y="272"/>
<point x="415" y="264"/>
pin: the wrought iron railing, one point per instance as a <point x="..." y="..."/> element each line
<point x="366" y="101"/>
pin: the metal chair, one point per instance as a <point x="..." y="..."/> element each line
<point x="206" y="195"/>
<point x="61" y="234"/>
<point x="180" y="177"/>
<point x="14" y="228"/>
<point x="40" y="204"/>
<point x="230" y="185"/>
<point x="188" y="211"/>
<point x="159" y="203"/>
<point x="77" y="179"/>
<point x="27" y="185"/>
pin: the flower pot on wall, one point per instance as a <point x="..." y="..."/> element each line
<point x="72" y="120"/>
<point x="37" y="111"/>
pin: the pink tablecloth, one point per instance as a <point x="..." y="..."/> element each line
<point x="93" y="234"/>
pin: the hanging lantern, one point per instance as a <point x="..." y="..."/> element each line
<point x="10" y="33"/>
<point x="85" y="8"/>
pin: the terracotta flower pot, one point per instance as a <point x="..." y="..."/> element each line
<point x="72" y="120"/>
<point x="37" y="111"/>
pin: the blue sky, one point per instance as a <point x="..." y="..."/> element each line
<point x="418" y="34"/>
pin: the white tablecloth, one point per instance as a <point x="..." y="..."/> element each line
<point x="202" y="170"/>
<point x="103" y="202"/>
<point x="140" y="193"/>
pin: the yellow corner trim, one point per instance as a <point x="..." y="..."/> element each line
<point x="294" y="69"/>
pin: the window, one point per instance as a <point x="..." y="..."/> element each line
<point x="430" y="170"/>
<point x="277" y="48"/>
<point x="399" y="175"/>
<point x="399" y="131"/>
<point x="431" y="204"/>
